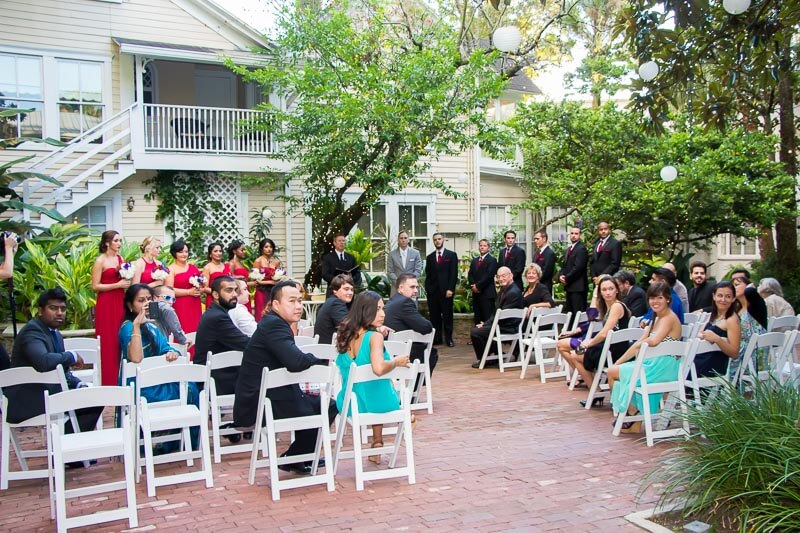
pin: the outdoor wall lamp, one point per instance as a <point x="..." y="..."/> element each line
<point x="131" y="203"/>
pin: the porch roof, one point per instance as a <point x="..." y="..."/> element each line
<point x="180" y="52"/>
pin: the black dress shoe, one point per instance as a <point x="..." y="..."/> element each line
<point x="451" y="344"/>
<point x="296" y="468"/>
<point x="596" y="402"/>
<point x="476" y="364"/>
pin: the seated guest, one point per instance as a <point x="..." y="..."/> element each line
<point x="167" y="320"/>
<point x="665" y="327"/>
<point x="216" y="332"/>
<point x="335" y="308"/>
<point x="357" y="342"/>
<point x="402" y="314"/>
<point x="509" y="297"/>
<point x="770" y="289"/>
<point x="536" y="294"/>
<point x="240" y="315"/>
<point x="633" y="296"/>
<point x="753" y="320"/>
<point x="586" y="357"/>
<point x="722" y="329"/>
<point x="39" y="345"/>
<point x="272" y="346"/>
<point x="665" y="275"/>
<point x="679" y="287"/>
<point x="700" y="293"/>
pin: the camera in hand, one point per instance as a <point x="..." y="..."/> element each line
<point x="7" y="234"/>
<point x="153" y="311"/>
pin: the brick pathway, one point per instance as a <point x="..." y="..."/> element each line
<point x="498" y="454"/>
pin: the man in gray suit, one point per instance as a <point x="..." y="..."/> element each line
<point x="403" y="260"/>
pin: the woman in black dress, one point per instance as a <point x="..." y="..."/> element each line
<point x="722" y="329"/>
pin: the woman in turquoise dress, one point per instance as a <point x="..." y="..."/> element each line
<point x="665" y="327"/>
<point x="357" y="340"/>
<point x="140" y="338"/>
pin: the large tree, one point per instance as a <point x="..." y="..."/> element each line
<point x="601" y="164"/>
<point x="375" y="92"/>
<point x="724" y="71"/>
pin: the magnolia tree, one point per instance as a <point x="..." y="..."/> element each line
<point x="373" y="92"/>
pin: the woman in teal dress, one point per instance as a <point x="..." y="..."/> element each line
<point x="357" y="340"/>
<point x="665" y="327"/>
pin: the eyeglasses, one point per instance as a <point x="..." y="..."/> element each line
<point x="168" y="298"/>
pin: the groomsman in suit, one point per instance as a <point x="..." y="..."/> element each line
<point x="512" y="256"/>
<point x="402" y="314"/>
<point x="481" y="281"/>
<point x="545" y="257"/>
<point x="39" y="345"/>
<point x="510" y="297"/>
<point x="403" y="260"/>
<point x="339" y="262"/>
<point x="606" y="253"/>
<point x="441" y="275"/>
<point x="573" y="274"/>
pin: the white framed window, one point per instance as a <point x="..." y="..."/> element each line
<point x="733" y="247"/>
<point x="102" y="214"/>
<point x="373" y="224"/>
<point x="80" y="97"/>
<point x="497" y="219"/>
<point x="414" y="220"/>
<point x="559" y="230"/>
<point x="21" y="87"/>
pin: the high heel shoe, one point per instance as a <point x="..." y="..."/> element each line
<point x="596" y="402"/>
<point x="632" y="427"/>
<point x="376" y="458"/>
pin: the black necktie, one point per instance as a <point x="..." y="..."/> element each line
<point x="57" y="345"/>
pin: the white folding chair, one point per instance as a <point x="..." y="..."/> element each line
<point x="307" y="331"/>
<point x="747" y="374"/>
<point x="183" y="416"/>
<point x="497" y="338"/>
<point x="782" y="323"/>
<point x="695" y="382"/>
<point x="267" y="428"/>
<point x="400" y="419"/>
<point x="544" y="336"/>
<point x="191" y="337"/>
<point x="181" y="348"/>
<point x="65" y="448"/>
<point x="689" y="331"/>
<point x="322" y="351"/>
<point x="573" y="374"/>
<point x="634" y="322"/>
<point x="639" y="385"/>
<point x="25" y="376"/>
<point x="89" y="349"/>
<point x="222" y="404"/>
<point x="424" y="367"/>
<point x="303" y="340"/>
<point x="785" y="367"/>
<point x="599" y="386"/>
<point x="304" y="323"/>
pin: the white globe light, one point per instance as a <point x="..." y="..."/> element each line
<point x="507" y="38"/>
<point x="735" y="7"/>
<point x="266" y="212"/>
<point x="669" y="173"/>
<point x="463" y="177"/>
<point x="648" y="70"/>
<point x="339" y="182"/>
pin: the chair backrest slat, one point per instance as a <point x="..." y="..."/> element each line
<point x="322" y="351"/>
<point x="224" y="359"/>
<point x="313" y="374"/>
<point x="170" y="373"/>
<point x="396" y="348"/>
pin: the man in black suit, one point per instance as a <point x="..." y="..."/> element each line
<point x="573" y="274"/>
<point x="441" y="275"/>
<point x="217" y="333"/>
<point x="510" y="297"/>
<point x="481" y="280"/>
<point x="632" y="295"/>
<point x="402" y="314"/>
<point x="339" y="262"/>
<point x="335" y="308"/>
<point x="606" y="253"/>
<point x="273" y="346"/>
<point x="39" y="345"/>
<point x="545" y="257"/>
<point x="512" y="256"/>
<point x="701" y="293"/>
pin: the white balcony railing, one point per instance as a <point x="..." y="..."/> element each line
<point x="210" y="130"/>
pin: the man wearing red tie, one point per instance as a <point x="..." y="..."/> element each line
<point x="512" y="256"/>
<point x="606" y="253"/>
<point x="481" y="281"/>
<point x="545" y="257"/>
<point x="441" y="275"/>
<point x="573" y="273"/>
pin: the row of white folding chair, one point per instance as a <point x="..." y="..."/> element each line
<point x="89" y="350"/>
<point x="66" y="448"/>
<point x="710" y="383"/>
<point x="544" y="336"/>
<point x="696" y="318"/>
<point x="303" y="340"/>
<point x="573" y="376"/>
<point x="786" y="367"/>
<point x="306" y="331"/>
<point x="424" y="367"/>
<point x="599" y="387"/>
<point x="304" y="323"/>
<point x="780" y="323"/>
<point x="497" y="337"/>
<point x="780" y="348"/>
<point x="638" y="385"/>
<point x="21" y="376"/>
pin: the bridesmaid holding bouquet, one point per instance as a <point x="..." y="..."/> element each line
<point x="214" y="269"/>
<point x="147" y="265"/>
<point x="237" y="252"/>
<point x="268" y="265"/>
<point x="188" y="283"/>
<point x="110" y="278"/>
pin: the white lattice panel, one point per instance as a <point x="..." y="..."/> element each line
<point x="228" y="219"/>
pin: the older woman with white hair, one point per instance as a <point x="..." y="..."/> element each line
<point x="770" y="289"/>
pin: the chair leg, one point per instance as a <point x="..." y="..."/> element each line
<point x="186" y="443"/>
<point x="357" y="455"/>
<point x="215" y="423"/>
<point x="130" y="485"/>
<point x="205" y="446"/>
<point x="4" y="461"/>
<point x="428" y="389"/>
<point x="251" y="476"/>
<point x="60" y="485"/>
<point x="274" y="476"/>
<point x="412" y="475"/>
<point x="149" y="467"/>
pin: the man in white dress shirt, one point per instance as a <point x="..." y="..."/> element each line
<point x="241" y="317"/>
<point x="403" y="260"/>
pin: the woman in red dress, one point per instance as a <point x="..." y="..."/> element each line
<point x="147" y="263"/>
<point x="187" y="296"/>
<point x="267" y="264"/>
<point x="237" y="252"/>
<point x="110" y="307"/>
<point x="214" y="269"/>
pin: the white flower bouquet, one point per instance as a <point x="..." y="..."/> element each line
<point x="255" y="275"/>
<point x="161" y="273"/>
<point x="197" y="281"/>
<point x="126" y="271"/>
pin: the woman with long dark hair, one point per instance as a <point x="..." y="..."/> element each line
<point x="358" y="341"/>
<point x="110" y="286"/>
<point x="237" y="252"/>
<point x="722" y="329"/>
<point x="214" y="269"/>
<point x="184" y="277"/>
<point x="268" y="264"/>
<point x="753" y="320"/>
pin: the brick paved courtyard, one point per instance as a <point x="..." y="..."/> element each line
<point x="498" y="454"/>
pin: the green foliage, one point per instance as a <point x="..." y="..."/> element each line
<point x="600" y="164"/>
<point x="360" y="247"/>
<point x="379" y="283"/>
<point x="744" y="459"/>
<point x="260" y="227"/>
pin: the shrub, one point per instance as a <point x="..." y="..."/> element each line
<point x="743" y="459"/>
